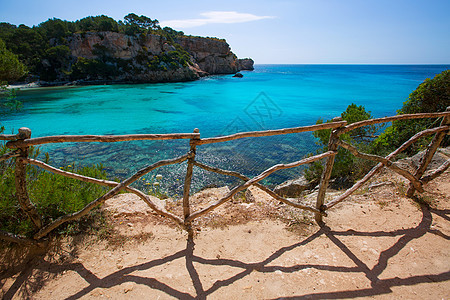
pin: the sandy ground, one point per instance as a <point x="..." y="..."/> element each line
<point x="376" y="245"/>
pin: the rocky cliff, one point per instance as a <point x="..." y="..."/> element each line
<point x="245" y="64"/>
<point x="149" y="58"/>
<point x="213" y="56"/>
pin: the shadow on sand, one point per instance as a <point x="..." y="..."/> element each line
<point x="378" y="286"/>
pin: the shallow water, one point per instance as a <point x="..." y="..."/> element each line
<point x="271" y="97"/>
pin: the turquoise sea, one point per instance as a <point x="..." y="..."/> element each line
<point x="270" y="97"/>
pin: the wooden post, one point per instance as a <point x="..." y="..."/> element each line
<point x="326" y="174"/>
<point x="428" y="155"/>
<point x="188" y="179"/>
<point x="21" y="181"/>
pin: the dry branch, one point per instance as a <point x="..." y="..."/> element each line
<point x="9" y="155"/>
<point x="386" y="162"/>
<point x="17" y="239"/>
<point x="393" y="118"/>
<point x="429" y="153"/>
<point x="262" y="187"/>
<point x="257" y="179"/>
<point x="98" y="138"/>
<point x="8" y="137"/>
<point x="76" y="215"/>
<point x="241" y="135"/>
<point x="326" y="175"/>
<point x="436" y="172"/>
<point x="188" y="180"/>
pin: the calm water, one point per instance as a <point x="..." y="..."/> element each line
<point x="272" y="96"/>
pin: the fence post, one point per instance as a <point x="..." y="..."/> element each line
<point x="428" y="155"/>
<point x="21" y="181"/>
<point x="188" y="179"/>
<point x="326" y="174"/>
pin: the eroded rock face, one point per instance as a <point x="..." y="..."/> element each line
<point x="117" y="45"/>
<point x="212" y="55"/>
<point x="245" y="64"/>
<point x="208" y="56"/>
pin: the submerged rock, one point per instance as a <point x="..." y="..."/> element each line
<point x="238" y="75"/>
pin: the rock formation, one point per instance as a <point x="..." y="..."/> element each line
<point x="245" y="64"/>
<point x="213" y="56"/>
<point x="149" y="58"/>
<point x="293" y="188"/>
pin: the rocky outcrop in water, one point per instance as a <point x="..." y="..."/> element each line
<point x="245" y="64"/>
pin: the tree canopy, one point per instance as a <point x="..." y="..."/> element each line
<point x="10" y="67"/>
<point x="44" y="49"/>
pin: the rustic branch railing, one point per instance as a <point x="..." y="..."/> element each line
<point x="21" y="142"/>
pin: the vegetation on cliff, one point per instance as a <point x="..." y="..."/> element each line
<point x="47" y="49"/>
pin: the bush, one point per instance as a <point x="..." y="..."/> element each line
<point x="53" y="195"/>
<point x="433" y="95"/>
<point x="346" y="166"/>
<point x="10" y="67"/>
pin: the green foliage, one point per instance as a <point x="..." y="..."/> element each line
<point x="8" y="99"/>
<point x="433" y="95"/>
<point x="170" y="34"/>
<point x="93" y="69"/>
<point x="142" y="22"/>
<point x="55" y="58"/>
<point x="346" y="165"/>
<point x="55" y="29"/>
<point x="97" y="23"/>
<point x="10" y="67"/>
<point x="53" y="195"/>
<point x="44" y="49"/>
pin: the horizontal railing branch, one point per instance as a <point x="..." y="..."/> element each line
<point x="98" y="138"/>
<point x="76" y="215"/>
<point x="9" y="137"/>
<point x="393" y="118"/>
<point x="259" y="185"/>
<point x="385" y="162"/>
<point x="241" y="135"/>
<point x="9" y="155"/>
<point x="257" y="179"/>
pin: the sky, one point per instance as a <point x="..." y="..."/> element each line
<point x="284" y="31"/>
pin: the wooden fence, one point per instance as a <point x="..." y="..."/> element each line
<point x="20" y="143"/>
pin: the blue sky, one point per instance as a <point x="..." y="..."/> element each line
<point x="284" y="31"/>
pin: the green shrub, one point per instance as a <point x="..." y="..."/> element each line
<point x="53" y="195"/>
<point x="346" y="166"/>
<point x="432" y="95"/>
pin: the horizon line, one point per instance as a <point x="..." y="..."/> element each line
<point x="360" y="64"/>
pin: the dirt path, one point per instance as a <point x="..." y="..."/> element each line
<point x="377" y="245"/>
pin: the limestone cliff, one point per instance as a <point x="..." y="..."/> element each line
<point x="148" y="58"/>
<point x="245" y="64"/>
<point x="213" y="56"/>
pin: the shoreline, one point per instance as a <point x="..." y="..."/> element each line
<point x="79" y="83"/>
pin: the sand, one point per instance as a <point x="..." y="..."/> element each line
<point x="378" y="245"/>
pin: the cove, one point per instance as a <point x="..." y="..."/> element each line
<point x="270" y="97"/>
